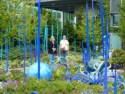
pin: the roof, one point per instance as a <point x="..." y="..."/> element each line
<point x="63" y="5"/>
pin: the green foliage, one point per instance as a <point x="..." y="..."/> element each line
<point x="3" y="78"/>
<point x="79" y="16"/>
<point x="16" y="75"/>
<point x="56" y="85"/>
<point x="15" y="13"/>
<point x="118" y="57"/>
<point x="81" y="29"/>
<point x="45" y="58"/>
<point x="122" y="22"/>
<point x="59" y="73"/>
<point x="53" y="20"/>
<point x="81" y="23"/>
<point x="51" y="87"/>
<point x="15" y="53"/>
<point x="71" y="31"/>
<point x="11" y="75"/>
<point x="75" y="58"/>
<point x="106" y="7"/>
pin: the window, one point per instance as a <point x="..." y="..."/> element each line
<point x="115" y="19"/>
<point x="114" y="11"/>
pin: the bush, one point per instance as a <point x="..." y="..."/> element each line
<point x="118" y="57"/>
<point x="51" y="87"/>
<point x="17" y="52"/>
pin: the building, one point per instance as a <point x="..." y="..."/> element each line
<point x="65" y="9"/>
<point x="68" y="8"/>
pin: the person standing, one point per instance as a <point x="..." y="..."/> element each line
<point x="64" y="47"/>
<point x="52" y="49"/>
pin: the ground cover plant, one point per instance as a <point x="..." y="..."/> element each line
<point x="56" y="85"/>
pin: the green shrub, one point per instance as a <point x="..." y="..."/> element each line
<point x="51" y="87"/>
<point x="3" y="78"/>
<point x="118" y="57"/>
<point x="17" y="53"/>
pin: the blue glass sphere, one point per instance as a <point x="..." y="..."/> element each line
<point x="45" y="71"/>
<point x="34" y="92"/>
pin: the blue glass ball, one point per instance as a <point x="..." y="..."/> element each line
<point x="34" y="92"/>
<point x="45" y="71"/>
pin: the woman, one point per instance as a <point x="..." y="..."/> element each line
<point x="64" y="47"/>
<point x="52" y="49"/>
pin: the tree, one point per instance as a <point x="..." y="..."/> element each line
<point x="81" y="29"/>
<point x="18" y="16"/>
<point x="122" y="22"/>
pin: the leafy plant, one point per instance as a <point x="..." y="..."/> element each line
<point x="51" y="87"/>
<point x="118" y="57"/>
<point x="15" y="53"/>
<point x="122" y="22"/>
